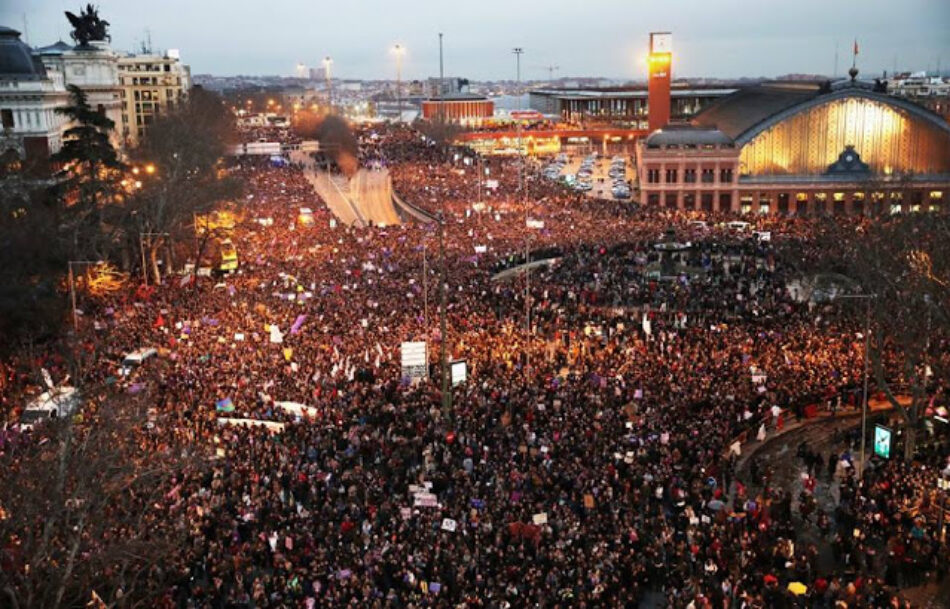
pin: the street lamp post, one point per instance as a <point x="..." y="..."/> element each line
<point x="446" y="390"/>
<point x="867" y="345"/>
<point x="943" y="486"/>
<point x="425" y="288"/>
<point x="399" y="50"/>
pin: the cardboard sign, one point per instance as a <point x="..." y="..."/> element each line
<point x="541" y="518"/>
<point x="589" y="501"/>
<point x="449" y="525"/>
<point x="425" y="500"/>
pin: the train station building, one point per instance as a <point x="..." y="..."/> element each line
<point x="801" y="148"/>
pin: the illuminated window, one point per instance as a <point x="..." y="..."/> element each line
<point x="838" y="196"/>
<point x="858" y="196"/>
<point x="895" y="209"/>
<point x="801" y="196"/>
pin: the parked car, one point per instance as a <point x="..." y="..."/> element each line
<point x="136" y="358"/>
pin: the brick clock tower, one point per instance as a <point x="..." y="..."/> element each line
<point x="660" y="64"/>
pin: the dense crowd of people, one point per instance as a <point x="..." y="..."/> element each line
<point x="590" y="459"/>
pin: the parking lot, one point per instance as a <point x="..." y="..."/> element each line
<point x="602" y="185"/>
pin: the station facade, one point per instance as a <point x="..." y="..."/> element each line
<point x="802" y="148"/>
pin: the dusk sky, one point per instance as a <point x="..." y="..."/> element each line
<point x="718" y="38"/>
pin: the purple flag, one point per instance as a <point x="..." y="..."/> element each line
<point x="294" y="329"/>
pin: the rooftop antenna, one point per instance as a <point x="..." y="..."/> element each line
<point x="148" y="38"/>
<point x="853" y="72"/>
<point x="26" y="30"/>
<point x="834" y="75"/>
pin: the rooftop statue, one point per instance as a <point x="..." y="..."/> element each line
<point x="88" y="26"/>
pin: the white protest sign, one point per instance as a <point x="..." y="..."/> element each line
<point x="414" y="360"/>
<point x="541" y="518"/>
<point x="449" y="525"/>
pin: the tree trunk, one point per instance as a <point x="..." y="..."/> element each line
<point x="153" y="262"/>
<point x="910" y="442"/>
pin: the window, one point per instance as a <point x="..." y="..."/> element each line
<point x="725" y="201"/>
<point x="783" y="203"/>
<point x="689" y="176"/>
<point x="671" y="200"/>
<point x="708" y="176"/>
<point x="745" y="204"/>
<point x="725" y="176"/>
<point x="653" y="199"/>
<point x="7" y="116"/>
<point x="689" y="201"/>
<point x="706" y="200"/>
<point x="671" y="176"/>
<point x="653" y="176"/>
<point x="101" y="110"/>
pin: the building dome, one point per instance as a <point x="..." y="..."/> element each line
<point x="16" y="58"/>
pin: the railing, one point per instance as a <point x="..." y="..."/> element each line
<point x="413" y="210"/>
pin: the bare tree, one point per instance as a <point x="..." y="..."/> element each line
<point x="185" y="148"/>
<point x="905" y="262"/>
<point x="83" y="508"/>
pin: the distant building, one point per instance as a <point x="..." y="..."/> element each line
<point x="931" y="92"/>
<point x="29" y="96"/>
<point x="621" y="105"/>
<point x="447" y="87"/>
<point x="151" y="84"/>
<point x="469" y="110"/>
<point x="94" y="69"/>
<point x="800" y="149"/>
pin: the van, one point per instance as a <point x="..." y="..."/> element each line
<point x="738" y="225"/>
<point x="56" y="403"/>
<point x="136" y="358"/>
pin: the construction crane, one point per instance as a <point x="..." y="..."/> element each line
<point x="551" y="70"/>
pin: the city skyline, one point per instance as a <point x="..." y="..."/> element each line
<point x="725" y="39"/>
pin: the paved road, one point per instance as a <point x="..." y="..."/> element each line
<point x="371" y="192"/>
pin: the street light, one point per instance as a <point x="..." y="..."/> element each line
<point x="327" y="62"/>
<point x="399" y="51"/>
<point x="867" y="345"/>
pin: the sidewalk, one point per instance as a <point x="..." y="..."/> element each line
<point x="751" y="448"/>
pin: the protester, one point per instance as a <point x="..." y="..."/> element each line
<point x="587" y="459"/>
